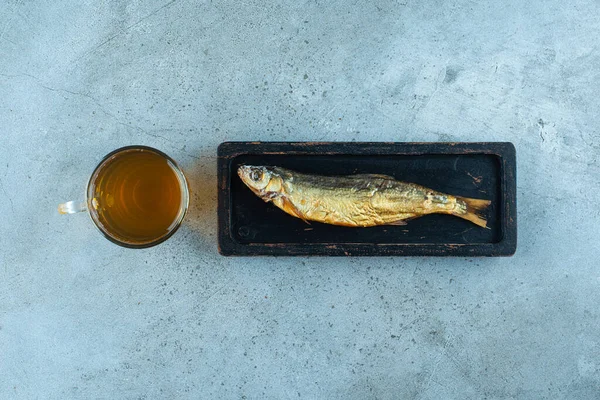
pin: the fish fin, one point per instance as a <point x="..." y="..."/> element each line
<point x="289" y="208"/>
<point x="404" y="221"/>
<point x="400" y="222"/>
<point x="371" y="176"/>
<point x="475" y="211"/>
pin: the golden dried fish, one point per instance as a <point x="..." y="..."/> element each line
<point x="355" y="200"/>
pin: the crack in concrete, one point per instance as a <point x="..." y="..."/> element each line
<point x="93" y="99"/>
<point x="136" y="23"/>
<point x="12" y="206"/>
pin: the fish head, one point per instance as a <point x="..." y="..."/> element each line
<point x="263" y="181"/>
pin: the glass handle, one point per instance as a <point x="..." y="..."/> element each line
<point x="72" y="207"/>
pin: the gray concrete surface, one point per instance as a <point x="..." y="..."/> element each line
<point x="81" y="318"/>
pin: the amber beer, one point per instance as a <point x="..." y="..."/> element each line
<point x="137" y="196"/>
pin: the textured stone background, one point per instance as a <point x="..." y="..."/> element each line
<point x="82" y="318"/>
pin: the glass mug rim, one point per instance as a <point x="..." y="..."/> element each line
<point x="184" y="187"/>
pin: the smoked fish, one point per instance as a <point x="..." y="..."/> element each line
<point x="355" y="200"/>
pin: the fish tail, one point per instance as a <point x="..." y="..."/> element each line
<point x="473" y="211"/>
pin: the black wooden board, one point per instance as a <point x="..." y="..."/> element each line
<point x="249" y="226"/>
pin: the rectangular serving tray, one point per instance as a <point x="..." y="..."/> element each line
<point x="248" y="226"/>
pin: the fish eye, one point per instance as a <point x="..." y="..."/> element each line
<point x="255" y="175"/>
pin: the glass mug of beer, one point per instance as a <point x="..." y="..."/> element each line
<point x="137" y="197"/>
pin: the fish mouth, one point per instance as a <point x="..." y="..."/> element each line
<point x="243" y="170"/>
<point x="244" y="174"/>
